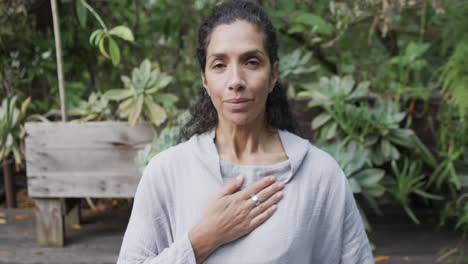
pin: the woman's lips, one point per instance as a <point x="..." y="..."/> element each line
<point x="238" y="103"/>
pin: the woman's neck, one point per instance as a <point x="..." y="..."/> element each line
<point x="248" y="144"/>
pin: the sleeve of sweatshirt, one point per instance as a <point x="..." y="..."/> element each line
<point x="356" y="247"/>
<point x="148" y="238"/>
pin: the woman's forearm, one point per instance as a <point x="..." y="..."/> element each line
<point x="203" y="245"/>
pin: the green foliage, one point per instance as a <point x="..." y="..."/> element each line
<point x="11" y="128"/>
<point x="456" y="209"/>
<point x="142" y="95"/>
<point x="96" y="108"/>
<point x="454" y="77"/>
<point x="99" y="36"/>
<point x="348" y="115"/>
<point x="452" y="145"/>
<point x="403" y="75"/>
<point x="362" y="177"/>
<point x="409" y="180"/>
<point x="169" y="136"/>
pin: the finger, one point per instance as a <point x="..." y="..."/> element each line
<point x="256" y="187"/>
<point x="259" y="219"/>
<point x="262" y="207"/>
<point x="266" y="193"/>
<point x="231" y="187"/>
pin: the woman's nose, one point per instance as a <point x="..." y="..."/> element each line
<point x="236" y="79"/>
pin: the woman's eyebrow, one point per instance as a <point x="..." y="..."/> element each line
<point x="243" y="55"/>
<point x="252" y="53"/>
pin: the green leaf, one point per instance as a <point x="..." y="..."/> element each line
<point x="114" y="52"/>
<point x="355" y="187"/>
<point x="166" y="98"/>
<point x="126" y="107"/>
<point x="315" y="21"/>
<point x="286" y="5"/>
<point x="155" y="112"/>
<point x="428" y="195"/>
<point x="376" y="190"/>
<point x="369" y="177"/>
<point x="82" y="13"/>
<point x="386" y="148"/>
<point x="320" y="120"/>
<point x="102" y="49"/>
<point x="331" y="132"/>
<point x="122" y="32"/>
<point x="118" y="94"/>
<point x="297" y="28"/>
<point x="136" y="110"/>
<point x="411" y="214"/>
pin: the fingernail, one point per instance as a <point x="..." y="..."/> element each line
<point x="272" y="178"/>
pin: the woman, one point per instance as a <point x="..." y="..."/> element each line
<point x="243" y="188"/>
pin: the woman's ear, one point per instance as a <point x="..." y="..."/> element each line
<point x="274" y="76"/>
<point x="205" y="84"/>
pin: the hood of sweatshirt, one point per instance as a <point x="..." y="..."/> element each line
<point x="205" y="150"/>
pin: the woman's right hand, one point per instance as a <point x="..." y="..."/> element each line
<point x="230" y="214"/>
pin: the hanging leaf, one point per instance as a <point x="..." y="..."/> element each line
<point x="114" y="52"/>
<point x="82" y="13"/>
<point x="102" y="49"/>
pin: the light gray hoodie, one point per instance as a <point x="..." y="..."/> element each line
<point x="316" y="221"/>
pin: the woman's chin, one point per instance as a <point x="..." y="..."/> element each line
<point x="240" y="119"/>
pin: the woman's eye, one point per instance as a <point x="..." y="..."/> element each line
<point x="253" y="62"/>
<point x="218" y="66"/>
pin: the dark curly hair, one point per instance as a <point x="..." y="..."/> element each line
<point x="204" y="115"/>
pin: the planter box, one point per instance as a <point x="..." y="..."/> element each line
<point x="66" y="160"/>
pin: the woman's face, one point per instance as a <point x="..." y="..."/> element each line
<point x="238" y="74"/>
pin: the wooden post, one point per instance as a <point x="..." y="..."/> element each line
<point x="50" y="222"/>
<point x="72" y="212"/>
<point x="9" y="180"/>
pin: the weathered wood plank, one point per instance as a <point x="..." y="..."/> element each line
<point x="93" y="159"/>
<point x="87" y="135"/>
<point x="82" y="184"/>
<point x="43" y="161"/>
<point x="49" y="222"/>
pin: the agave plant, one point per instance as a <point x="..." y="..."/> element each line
<point x="11" y="128"/>
<point x="142" y="95"/>
<point x="348" y="115"/>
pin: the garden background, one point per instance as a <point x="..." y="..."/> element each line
<point x="386" y="81"/>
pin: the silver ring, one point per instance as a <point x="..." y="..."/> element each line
<point x="255" y="199"/>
